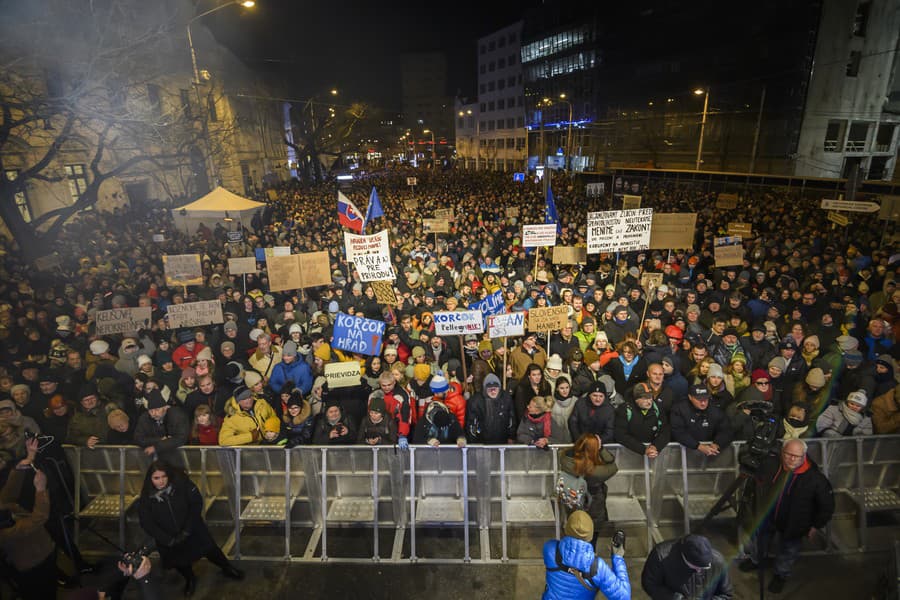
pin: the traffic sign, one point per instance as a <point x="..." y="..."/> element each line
<point x="850" y="205"/>
<point x="838" y="218"/>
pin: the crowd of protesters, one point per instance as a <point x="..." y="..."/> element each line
<point x="805" y="330"/>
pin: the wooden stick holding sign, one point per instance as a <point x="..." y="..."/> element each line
<point x="462" y="356"/>
<point x="505" y="348"/>
<point x="650" y="289"/>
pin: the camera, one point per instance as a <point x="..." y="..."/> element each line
<point x="761" y="443"/>
<point x="134" y="558"/>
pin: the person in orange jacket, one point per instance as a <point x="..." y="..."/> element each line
<point x="451" y="395"/>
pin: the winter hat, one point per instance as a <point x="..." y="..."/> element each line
<point x="418" y="352"/>
<point x="847" y="343"/>
<point x="390" y="349"/>
<point x="323" y="352"/>
<point x="814" y="340"/>
<point x="319" y="382"/>
<point x="697" y="550"/>
<point x="555" y="362"/>
<point x="87" y="389"/>
<point x="255" y="333"/>
<point x="242" y="393"/>
<point x="272" y="424"/>
<point x="234" y="372"/>
<point x="185" y="336"/>
<point x="227" y="345"/>
<point x="421" y="372"/>
<point x="597" y="386"/>
<point x="116" y="418"/>
<point x="759" y="374"/>
<point x="715" y="370"/>
<point x="579" y="525"/>
<point x="143" y="359"/>
<point x="296" y="398"/>
<point x="289" y="349"/>
<point x="205" y="354"/>
<point x="99" y="347"/>
<point x="779" y="363"/>
<point x="858" y="397"/>
<point x="853" y="358"/>
<point x="590" y="357"/>
<point x="692" y="308"/>
<point x="163" y="357"/>
<point x="129" y="345"/>
<point x="439" y="384"/>
<point x="230" y="326"/>
<point x="154" y="399"/>
<point x="376" y="402"/>
<point x="815" y="378"/>
<point x="492" y="380"/>
<point x="251" y="378"/>
<point x="485" y="346"/>
<point x="700" y="392"/>
<point x="188" y="372"/>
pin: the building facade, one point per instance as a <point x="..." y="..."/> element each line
<point x="426" y="104"/>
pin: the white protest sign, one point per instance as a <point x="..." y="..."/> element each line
<point x="370" y="255"/>
<point x="342" y="374"/>
<point x="242" y="265"/>
<point x="158" y="237"/>
<point x="122" y="320"/>
<point x="534" y="236"/>
<point x="458" y="322"/>
<point x="507" y="325"/>
<point x="195" y="314"/>
<point x="278" y="251"/>
<point x="619" y="230"/>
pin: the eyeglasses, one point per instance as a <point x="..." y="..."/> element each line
<point x="762" y="383"/>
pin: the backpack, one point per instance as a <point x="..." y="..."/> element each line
<point x="583" y="577"/>
<point x="572" y="491"/>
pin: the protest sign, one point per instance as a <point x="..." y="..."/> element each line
<point x="47" y="263"/>
<point x="284" y="273"/>
<point x="342" y="374"/>
<point x="729" y="251"/>
<point x="727" y="201"/>
<point x="619" y="230"/>
<point x="443" y="213"/>
<point x="507" y="325"/>
<point x="272" y="194"/>
<point x="242" y="265"/>
<point x="548" y="318"/>
<point x="357" y="334"/>
<point x="183" y="269"/>
<point x="534" y="236"/>
<point x="435" y="226"/>
<point x="569" y="255"/>
<point x="411" y="181"/>
<point x="122" y="320"/>
<point x="630" y="202"/>
<point x="278" y="251"/>
<point x="234" y="237"/>
<point x="512" y="211"/>
<point x="651" y="280"/>
<point x="411" y="204"/>
<point x="593" y="190"/>
<point x="384" y="292"/>
<point x="836" y="217"/>
<point x="458" y="322"/>
<point x="745" y="230"/>
<point x="195" y="314"/>
<point x="159" y="237"/>
<point x="673" y="230"/>
<point x="315" y="268"/>
<point x="371" y="255"/>
<point x="491" y="305"/>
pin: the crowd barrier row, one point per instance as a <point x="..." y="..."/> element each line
<point x="478" y="489"/>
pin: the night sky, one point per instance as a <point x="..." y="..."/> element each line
<point x="355" y="46"/>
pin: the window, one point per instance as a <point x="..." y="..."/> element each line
<point x="153" y="97"/>
<point x="490" y="125"/>
<point x="511" y="143"/>
<point x="492" y="85"/>
<point x="501" y="84"/>
<point x="511" y="60"/>
<point x="861" y="20"/>
<point x="186" y="104"/>
<point x="510" y="122"/>
<point x="519" y="101"/>
<point x="211" y="107"/>
<point x="492" y="66"/>
<point x="501" y="62"/>
<point x="21" y="198"/>
<point x="499" y="123"/>
<point x="483" y="107"/>
<point x="482" y="126"/>
<point x="856" y="137"/>
<point x="482" y="88"/>
<point x="490" y="106"/>
<point x="483" y="49"/>
<point x="501" y="104"/>
<point x="520" y="143"/>
<point x="884" y="136"/>
<point x="501" y="42"/>
<point x="492" y="45"/>
<point x="77" y="181"/>
<point x="520" y="122"/>
<point x="511" y="81"/>
<point x="853" y="63"/>
<point x="482" y="69"/>
<point x="482" y="142"/>
<point x="491" y="143"/>
<point x="833" y="136"/>
<point x="878" y="168"/>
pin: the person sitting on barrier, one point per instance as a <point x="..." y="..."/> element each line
<point x="590" y="460"/>
<point x="594" y="414"/>
<point x="334" y="428"/>
<point x="246" y="415"/>
<point x="170" y="511"/>
<point x="439" y="427"/>
<point x="794" y="500"/>
<point x="642" y="425"/>
<point x="574" y="571"/>
<point x="697" y="425"/>
<point x="537" y="427"/>
<point x="847" y="418"/>
<point x="162" y="429"/>
<point x="686" y="568"/>
<point x="375" y="429"/>
<point x="399" y="408"/>
<point x="490" y="417"/>
<point x="298" y="419"/>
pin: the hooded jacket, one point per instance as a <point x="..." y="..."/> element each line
<point x="578" y="554"/>
<point x="666" y="574"/>
<point x="490" y="421"/>
<point x="239" y="425"/>
<point x="587" y="418"/>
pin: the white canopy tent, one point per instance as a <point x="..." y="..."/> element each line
<point x="215" y="207"/>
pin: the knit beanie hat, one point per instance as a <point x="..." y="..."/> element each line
<point x="376" y="402"/>
<point x="858" y="397"/>
<point x="439" y="384"/>
<point x="272" y="424"/>
<point x="421" y="372"/>
<point x="579" y="525"/>
<point x="815" y="378"/>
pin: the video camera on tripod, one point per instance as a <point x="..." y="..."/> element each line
<point x="761" y="444"/>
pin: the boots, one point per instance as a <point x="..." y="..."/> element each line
<point x="232" y="573"/>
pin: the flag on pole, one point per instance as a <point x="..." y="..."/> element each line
<point x="373" y="211"/>
<point x="550" y="214"/>
<point x="348" y="215"/>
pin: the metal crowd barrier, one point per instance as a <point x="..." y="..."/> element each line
<point x="483" y="490"/>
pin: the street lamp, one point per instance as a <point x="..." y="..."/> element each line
<point x="705" y="94"/>
<point x="562" y="98"/>
<point x="433" y="153"/>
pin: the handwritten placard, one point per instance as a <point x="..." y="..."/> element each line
<point x="507" y="325"/>
<point x="122" y="320"/>
<point x="673" y="230"/>
<point x="357" y="334"/>
<point x="284" y="273"/>
<point x="548" y="318"/>
<point x="729" y="251"/>
<point x="619" y="230"/>
<point x="195" y="314"/>
<point x="569" y="255"/>
<point x="182" y="269"/>
<point x="458" y="322"/>
<point x="242" y="265"/>
<point x="435" y="226"/>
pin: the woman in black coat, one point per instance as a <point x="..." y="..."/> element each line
<point x="169" y="511"/>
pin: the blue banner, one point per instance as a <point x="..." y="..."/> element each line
<point x="356" y="334"/>
<point x="490" y="306"/>
<point x="260" y="254"/>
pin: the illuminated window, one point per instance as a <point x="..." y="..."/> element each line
<point x="21" y="198"/>
<point x="75" y="174"/>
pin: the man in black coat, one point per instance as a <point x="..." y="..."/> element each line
<point x="697" y="425"/>
<point x="490" y="418"/>
<point x="162" y="429"/>
<point x="642" y="425"/>
<point x="687" y="567"/>
<point x="594" y="414"/>
<point x="798" y="501"/>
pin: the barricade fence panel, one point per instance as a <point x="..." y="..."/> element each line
<point x="495" y="490"/>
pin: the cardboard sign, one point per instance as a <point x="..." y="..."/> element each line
<point x="272" y="194"/>
<point x="183" y="269"/>
<point x="195" y="314"/>
<point x="315" y="268"/>
<point x="508" y="325"/>
<point x="838" y="218"/>
<point x="890" y="208"/>
<point x="242" y="265"/>
<point x="371" y="255"/>
<point x="548" y="318"/>
<point x="729" y="251"/>
<point x="435" y="226"/>
<point x="850" y="205"/>
<point x="534" y="236"/>
<point x="673" y="230"/>
<point x="410" y="181"/>
<point x="234" y="237"/>
<point x="745" y="230"/>
<point x="357" y="334"/>
<point x="651" y="280"/>
<point x="569" y="255"/>
<point x="458" y="322"/>
<point x="159" y="238"/>
<point x="630" y="202"/>
<point x="384" y="292"/>
<point x="727" y="201"/>
<point x="512" y="211"/>
<point x="122" y="320"/>
<point x="284" y="273"/>
<point x="619" y="230"/>
<point x="411" y="204"/>
<point x="443" y="213"/>
<point x="47" y="263"/>
<point x="342" y="374"/>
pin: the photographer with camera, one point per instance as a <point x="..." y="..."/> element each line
<point x="574" y="571"/>
<point x="797" y="501"/>
<point x="134" y="565"/>
<point x="686" y="568"/>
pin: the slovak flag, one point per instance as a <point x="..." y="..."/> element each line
<point x="348" y="215"/>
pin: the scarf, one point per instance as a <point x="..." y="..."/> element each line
<point x="542" y="419"/>
<point x="809" y="356"/>
<point x="163" y="494"/>
<point x="791" y="432"/>
<point x="627" y="366"/>
<point x="853" y="417"/>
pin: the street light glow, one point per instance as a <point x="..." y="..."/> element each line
<point x="699" y="92"/>
<point x="563" y="96"/>
<point x="248" y="3"/>
<point x="334" y="92"/>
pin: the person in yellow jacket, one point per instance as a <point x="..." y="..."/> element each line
<point x="245" y="418"/>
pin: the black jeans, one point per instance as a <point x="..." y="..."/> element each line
<point x="215" y="556"/>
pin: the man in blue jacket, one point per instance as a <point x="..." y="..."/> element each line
<point x="575" y="572"/>
<point x="291" y="368"/>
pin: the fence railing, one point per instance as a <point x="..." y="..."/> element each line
<point x="478" y="489"/>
